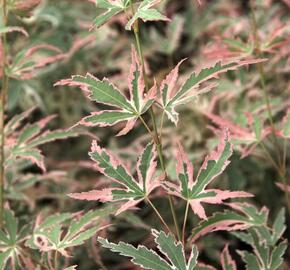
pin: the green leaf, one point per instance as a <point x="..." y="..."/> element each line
<point x="114" y="169"/>
<point x="174" y="252"/>
<point x="54" y="220"/>
<point x="276" y="258"/>
<point x="252" y="263"/>
<point x="213" y="167"/>
<point x="195" y="192"/>
<point x="50" y="136"/>
<point x="146" y="13"/>
<point x="146" y="162"/>
<point x="104" y="92"/>
<point x="4" y="258"/>
<point x="224" y="221"/>
<point x="279" y="226"/>
<point x="149" y="259"/>
<point x="141" y="256"/>
<point x="189" y="90"/>
<point x="112" y="9"/>
<point x="11" y="225"/>
<point x="286" y="128"/>
<point x="80" y="238"/>
<point x="258" y="127"/>
<point x="107" y="118"/>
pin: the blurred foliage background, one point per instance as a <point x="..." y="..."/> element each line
<point x="196" y="33"/>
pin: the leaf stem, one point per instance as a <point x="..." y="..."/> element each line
<point x="5" y="81"/>
<point x="281" y="174"/>
<point x="184" y="223"/>
<point x="263" y="81"/>
<point x="281" y="163"/>
<point x="56" y="260"/>
<point x="146" y="126"/>
<point x="155" y="137"/>
<point x="161" y="124"/>
<point x="158" y="215"/>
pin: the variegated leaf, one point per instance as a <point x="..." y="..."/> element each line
<point x="128" y="110"/>
<point x="145" y="12"/>
<point x="246" y="217"/>
<point x="196" y="192"/>
<point x="190" y="89"/>
<point x="226" y="260"/>
<point x="174" y="255"/>
<point x="131" y="191"/>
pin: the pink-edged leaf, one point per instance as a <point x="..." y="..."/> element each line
<point x="168" y="85"/>
<point x="10" y="29"/>
<point x="136" y="80"/>
<point x="146" y="167"/>
<point x="226" y="260"/>
<point x="195" y="192"/>
<point x="128" y="127"/>
<point x="145" y="12"/>
<point x="104" y="195"/>
<point x="285" y="130"/>
<point x="22" y="142"/>
<point x="131" y="191"/>
<point x="106" y="118"/>
<point x="104" y="92"/>
<point x="285" y="188"/>
<point x="247" y="138"/>
<point x="190" y="89"/>
<point x="29" y="61"/>
<point x="33" y="155"/>
<point x="227" y="221"/>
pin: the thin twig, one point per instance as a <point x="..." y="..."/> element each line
<point x="184" y="222"/>
<point x="159" y="215"/>
<point x="5" y="81"/>
<point x="155" y="138"/>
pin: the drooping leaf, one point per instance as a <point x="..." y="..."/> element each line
<point x="195" y="192"/>
<point x="56" y="233"/>
<point x="190" y="89"/>
<point x="22" y="142"/>
<point x="230" y="221"/>
<point x="130" y="191"/>
<point x="174" y="251"/>
<point x="149" y="259"/>
<point x="267" y="252"/>
<point x="128" y="110"/>
<point x="28" y="62"/>
<point x="9" y="29"/>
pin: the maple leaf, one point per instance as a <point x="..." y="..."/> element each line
<point x="226" y="260"/>
<point x="106" y="93"/>
<point x="248" y="137"/>
<point x="284" y="132"/>
<point x="170" y="98"/>
<point x="244" y="217"/>
<point x="196" y="192"/>
<point x="148" y="259"/>
<point x="144" y="11"/>
<point x="29" y="61"/>
<point x="132" y="191"/>
<point x="23" y="142"/>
